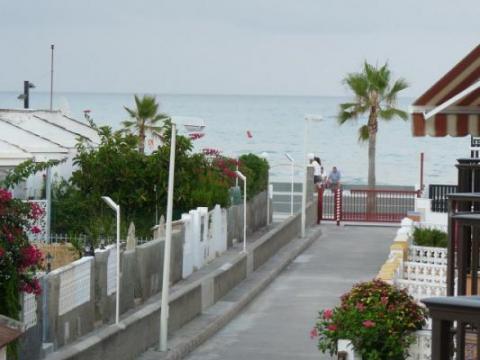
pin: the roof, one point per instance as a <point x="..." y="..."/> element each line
<point x="452" y="105"/>
<point x="39" y="134"/>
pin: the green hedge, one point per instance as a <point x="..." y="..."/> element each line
<point x="430" y="237"/>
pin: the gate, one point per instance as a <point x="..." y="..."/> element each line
<point x="365" y="205"/>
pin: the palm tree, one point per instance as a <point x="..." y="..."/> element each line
<point x="376" y="95"/>
<point x="144" y="118"/>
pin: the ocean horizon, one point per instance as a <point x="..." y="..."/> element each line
<point x="276" y="125"/>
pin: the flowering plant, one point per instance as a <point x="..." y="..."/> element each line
<point x="376" y="317"/>
<point x="19" y="260"/>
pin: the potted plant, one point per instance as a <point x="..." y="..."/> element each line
<point x="377" y="318"/>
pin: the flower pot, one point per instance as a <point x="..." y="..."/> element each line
<point x="345" y="346"/>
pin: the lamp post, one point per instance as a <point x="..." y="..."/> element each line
<point x="244" y="179"/>
<point x="292" y="162"/>
<point x="115" y="207"/>
<point x="308" y="118"/>
<point x="164" y="310"/>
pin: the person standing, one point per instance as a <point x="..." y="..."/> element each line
<point x="317" y="170"/>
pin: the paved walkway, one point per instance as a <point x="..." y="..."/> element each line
<point x="277" y="324"/>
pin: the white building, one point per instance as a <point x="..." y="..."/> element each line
<point x="40" y="135"/>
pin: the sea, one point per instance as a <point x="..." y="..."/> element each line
<point x="272" y="126"/>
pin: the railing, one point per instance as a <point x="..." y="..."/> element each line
<point x="438" y="194"/>
<point x="369" y="205"/>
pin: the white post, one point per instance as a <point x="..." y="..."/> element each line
<point x="268" y="204"/>
<point x="168" y="240"/>
<point x="304" y="188"/>
<point x="292" y="162"/>
<point x="117" y="298"/>
<point x="244" y="179"/>
<point x="48" y="191"/>
<point x="114" y="206"/>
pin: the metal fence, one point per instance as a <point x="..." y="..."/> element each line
<point x="366" y="205"/>
<point x="438" y="194"/>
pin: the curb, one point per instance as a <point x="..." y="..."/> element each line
<point x="266" y="275"/>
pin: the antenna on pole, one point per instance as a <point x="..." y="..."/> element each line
<point x="51" y="78"/>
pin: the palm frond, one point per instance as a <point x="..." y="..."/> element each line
<point x="390" y="113"/>
<point x="399" y="85"/>
<point x="363" y="133"/>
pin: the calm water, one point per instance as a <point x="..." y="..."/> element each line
<point x="276" y="124"/>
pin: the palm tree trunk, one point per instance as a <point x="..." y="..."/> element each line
<point x="141" y="136"/>
<point x="372" y="144"/>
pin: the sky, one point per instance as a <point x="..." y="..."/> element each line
<point x="278" y="47"/>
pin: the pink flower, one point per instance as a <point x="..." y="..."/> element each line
<point x="327" y="313"/>
<point x="368" y="324"/>
<point x="313" y="333"/>
<point x="36" y="230"/>
<point x="31" y="287"/>
<point x="35" y="211"/>
<point x="31" y="256"/>
<point x="360" y="307"/>
<point x="384" y="300"/>
<point x="332" y="327"/>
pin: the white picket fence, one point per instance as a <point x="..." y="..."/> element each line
<point x="205" y="237"/>
<point x="421" y="349"/>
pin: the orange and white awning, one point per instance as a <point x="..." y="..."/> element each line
<point x="452" y="105"/>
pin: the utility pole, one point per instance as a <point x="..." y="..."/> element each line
<point x="51" y="78"/>
<point x="27" y="85"/>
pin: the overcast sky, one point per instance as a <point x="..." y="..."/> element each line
<point x="294" y="47"/>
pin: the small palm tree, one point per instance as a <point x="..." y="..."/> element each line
<point x="376" y="95"/>
<point x="144" y="118"/>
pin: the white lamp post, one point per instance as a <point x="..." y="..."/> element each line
<point x="190" y="124"/>
<point x="244" y="179"/>
<point x="308" y="118"/>
<point x="115" y="207"/>
<point x="292" y="162"/>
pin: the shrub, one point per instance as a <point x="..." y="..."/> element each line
<point x="376" y="317"/>
<point x="430" y="237"/>
<point x="256" y="170"/>
<point x="19" y="260"/>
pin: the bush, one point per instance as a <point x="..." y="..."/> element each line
<point x="430" y="237"/>
<point x="256" y="170"/>
<point x="376" y="317"/>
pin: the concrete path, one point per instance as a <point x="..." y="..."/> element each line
<point x="277" y="324"/>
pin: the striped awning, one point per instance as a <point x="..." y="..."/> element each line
<point x="452" y="105"/>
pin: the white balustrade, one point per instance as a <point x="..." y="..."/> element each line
<point x="421" y="272"/>
<point x="421" y="289"/>
<point x="428" y="255"/>
<point x="421" y="349"/>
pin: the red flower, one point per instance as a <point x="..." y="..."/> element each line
<point x="36" y="230"/>
<point x="32" y="287"/>
<point x="327" y="313"/>
<point x="31" y="256"/>
<point x="36" y="211"/>
<point x="5" y="195"/>
<point x="360" y="307"/>
<point x="384" y="300"/>
<point x="313" y="333"/>
<point x="368" y="324"/>
<point x="332" y="327"/>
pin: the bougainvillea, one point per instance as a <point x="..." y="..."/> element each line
<point x="19" y="260"/>
<point x="376" y="317"/>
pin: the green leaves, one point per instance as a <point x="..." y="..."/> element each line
<point x="24" y="170"/>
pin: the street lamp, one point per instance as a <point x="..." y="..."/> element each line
<point x="292" y="162"/>
<point x="190" y="124"/>
<point x="115" y="207"/>
<point x="244" y="179"/>
<point x="308" y="118"/>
